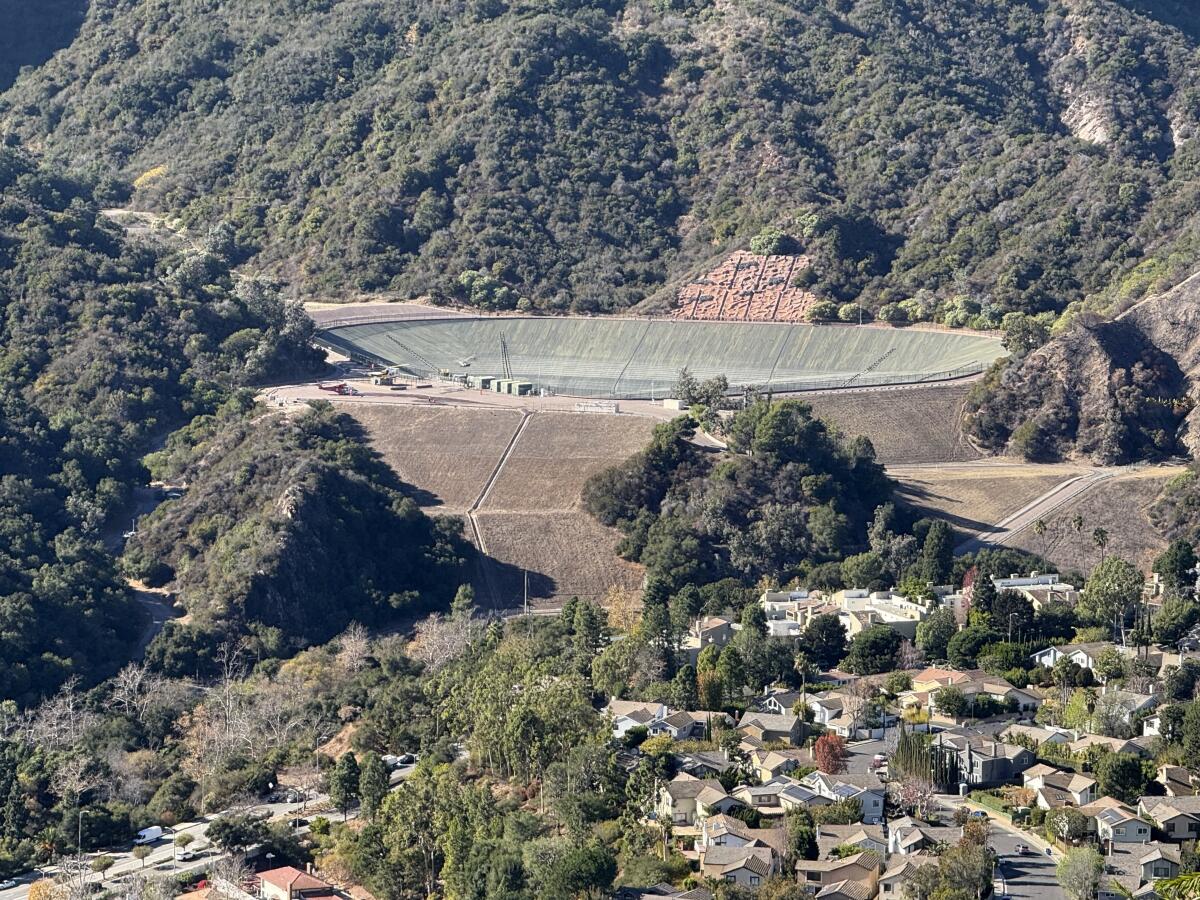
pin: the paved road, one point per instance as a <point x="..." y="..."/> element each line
<point x="1030" y="877"/>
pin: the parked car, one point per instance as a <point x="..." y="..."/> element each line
<point x="295" y="797"/>
<point x="390" y="760"/>
<point x="183" y="854"/>
<point x="297" y="822"/>
<point x="878" y="761"/>
<point x="407" y="759"/>
<point x="1022" y="850"/>
<point x="149" y="835"/>
<point x="978" y="814"/>
<point x="8" y="884"/>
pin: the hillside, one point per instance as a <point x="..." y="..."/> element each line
<point x="104" y="346"/>
<point x="979" y="157"/>
<point x="1113" y="391"/>
<point x="282" y="514"/>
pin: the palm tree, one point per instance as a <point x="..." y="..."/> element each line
<point x="1181" y="887"/>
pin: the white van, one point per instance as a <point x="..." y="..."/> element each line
<point x="148" y="835"/>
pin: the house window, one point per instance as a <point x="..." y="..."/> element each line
<point x="1162" y="872"/>
<point x="1142" y="831"/>
<point x="755" y="881"/>
<point x="1170" y="828"/>
<point x="719" y="842"/>
<point x="731" y="878"/>
<point x="813" y="876"/>
<point x="1120" y="829"/>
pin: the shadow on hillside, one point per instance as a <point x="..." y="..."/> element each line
<point x="30" y="33"/>
<point x="1179" y="14"/>
<point x="924" y="500"/>
<point x="501" y="585"/>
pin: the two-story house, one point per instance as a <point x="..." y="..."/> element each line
<point x="685" y="800"/>
<point x="1176" y="818"/>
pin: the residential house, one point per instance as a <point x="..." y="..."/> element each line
<point x="985" y="761"/>
<point x="777" y="796"/>
<point x="891" y="882"/>
<point x="767" y="728"/>
<point x="1116" y="745"/>
<point x="711" y="631"/>
<point x="1130" y="703"/>
<point x="1131" y="871"/>
<point x="685" y="800"/>
<point x="908" y="835"/>
<point x="1177" y="818"/>
<point x="703" y="763"/>
<point x="1118" y="824"/>
<point x="1085" y="654"/>
<point x="745" y="866"/>
<point x="826" y="706"/>
<point x="1034" y="735"/>
<point x="861" y="870"/>
<point x="686" y="725"/>
<point x="1038" y="589"/>
<point x="868" y="790"/>
<point x="769" y="764"/>
<point x="289" y="883"/>
<point x="1055" y="789"/>
<point x="662" y="892"/>
<point x="1176" y="781"/>
<point x="864" y="837"/>
<point x="781" y="703"/>
<point x="627" y="714"/>
<point x="727" y="831"/>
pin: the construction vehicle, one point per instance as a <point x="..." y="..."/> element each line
<point x="466" y="362"/>
<point x="332" y="388"/>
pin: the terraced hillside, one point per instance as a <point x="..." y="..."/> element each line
<point x="907" y="427"/>
<point x="643" y="357"/>
<point x="530" y="520"/>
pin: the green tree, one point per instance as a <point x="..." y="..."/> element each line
<point x="1176" y="566"/>
<point x="372" y="784"/>
<point x="872" y="651"/>
<point x="1079" y="873"/>
<point x="964" y="648"/>
<point x="1113" y="589"/>
<point x="731" y="669"/>
<point x="141" y="852"/>
<point x="937" y="553"/>
<point x="863" y="570"/>
<point x="1121" y="775"/>
<point x="935" y="632"/>
<point x="236" y="834"/>
<point x="343" y="783"/>
<point x="950" y="701"/>
<point x="824" y="641"/>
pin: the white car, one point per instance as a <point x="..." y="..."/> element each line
<point x="8" y="884"/>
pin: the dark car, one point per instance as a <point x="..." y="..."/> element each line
<point x="297" y="822"/>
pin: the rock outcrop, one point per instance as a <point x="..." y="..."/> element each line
<point x="1113" y="392"/>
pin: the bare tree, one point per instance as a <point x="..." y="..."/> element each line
<point x="62" y="721"/>
<point x="228" y="876"/>
<point x="914" y="793"/>
<point x="354" y="645"/>
<point x="909" y="656"/>
<point x="75" y="776"/>
<point x="439" y="640"/>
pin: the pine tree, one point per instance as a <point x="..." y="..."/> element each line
<point x="343" y="783"/>
<point x="372" y="785"/>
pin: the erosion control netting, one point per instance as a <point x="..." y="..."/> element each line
<point x="631" y="358"/>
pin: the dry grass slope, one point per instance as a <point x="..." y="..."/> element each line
<point x="1119" y="506"/>
<point x="557" y="453"/>
<point x="446" y="454"/>
<point x="972" y="498"/>
<point x="907" y="427"/>
<point x="566" y="554"/>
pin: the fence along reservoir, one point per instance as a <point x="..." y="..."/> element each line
<point x="639" y="358"/>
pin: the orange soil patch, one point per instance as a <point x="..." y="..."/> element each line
<point x="747" y="288"/>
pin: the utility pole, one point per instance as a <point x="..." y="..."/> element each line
<point x="526" y="573"/>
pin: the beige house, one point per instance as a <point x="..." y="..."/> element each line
<point x="686" y="800"/>
<point x="1178" y="818"/>
<point x="745" y="866"/>
<point x="769" y="728"/>
<point x="289" y="883"/>
<point x="891" y="882"/>
<point x="861" y="869"/>
<point x="1055" y="789"/>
